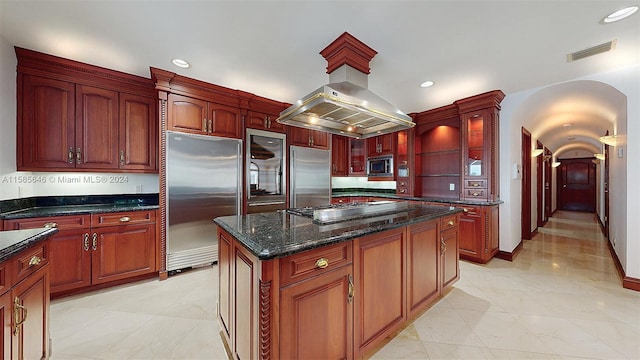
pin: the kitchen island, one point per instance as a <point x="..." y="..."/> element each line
<point x="291" y="287"/>
<point x="24" y="289"/>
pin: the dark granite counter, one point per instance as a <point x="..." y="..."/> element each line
<point x="14" y="241"/>
<point x="392" y="195"/>
<point x="74" y="205"/>
<point x="276" y="234"/>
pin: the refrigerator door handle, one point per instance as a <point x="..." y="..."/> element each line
<point x="292" y="179"/>
<point x="239" y="178"/>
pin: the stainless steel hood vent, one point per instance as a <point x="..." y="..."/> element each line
<point x="346" y="107"/>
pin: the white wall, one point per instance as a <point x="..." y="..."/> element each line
<point x="14" y="184"/>
<point x="624" y="200"/>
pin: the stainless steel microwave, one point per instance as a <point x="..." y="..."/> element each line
<point x="380" y="166"/>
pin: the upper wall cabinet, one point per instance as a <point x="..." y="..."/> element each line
<point x="78" y="117"/>
<point x="381" y="145"/>
<point x="309" y="138"/>
<point x="197" y="116"/>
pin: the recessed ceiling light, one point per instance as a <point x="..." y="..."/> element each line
<point x="426" y="84"/>
<point x="567" y="125"/>
<point x="571" y="138"/>
<point x="181" y="63"/>
<point x="620" y="14"/>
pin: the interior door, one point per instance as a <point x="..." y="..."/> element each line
<point x="577" y="185"/>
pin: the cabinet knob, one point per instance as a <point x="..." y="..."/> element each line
<point x="322" y="263"/>
<point x="125" y="219"/>
<point x="403" y="191"/>
<point x="50" y="225"/>
<point x="450" y="223"/>
<point x="35" y="260"/>
<point x="465" y="210"/>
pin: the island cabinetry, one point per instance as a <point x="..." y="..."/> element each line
<point x="381" y="291"/>
<point x="339" y="155"/>
<point x="94" y="249"/>
<point x="24" y="304"/>
<point x="78" y="117"/>
<point x="479" y="240"/>
<point x="338" y="301"/>
<point x="198" y="116"/>
<point x="308" y="137"/>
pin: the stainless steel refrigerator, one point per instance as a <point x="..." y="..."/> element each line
<point x="204" y="181"/>
<point x="310" y="180"/>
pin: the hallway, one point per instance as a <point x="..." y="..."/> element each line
<point x="560" y="299"/>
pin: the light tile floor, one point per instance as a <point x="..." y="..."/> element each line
<point x="560" y="299"/>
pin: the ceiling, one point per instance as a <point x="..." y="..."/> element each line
<point x="272" y="48"/>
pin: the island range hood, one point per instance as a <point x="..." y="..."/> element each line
<point x="345" y="106"/>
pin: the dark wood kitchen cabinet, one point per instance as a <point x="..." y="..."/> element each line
<point x="479" y="117"/>
<point x="78" y="117"/>
<point x="381" y="145"/>
<point x="479" y="240"/>
<point x="339" y="155"/>
<point x="379" y="276"/>
<point x="24" y="304"/>
<point x="357" y="157"/>
<point x="308" y="137"/>
<point x="262" y="121"/>
<point x="197" y="116"/>
<point x="423" y="273"/>
<point x="94" y="249"/>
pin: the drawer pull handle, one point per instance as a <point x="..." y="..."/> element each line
<point x="18" y="320"/>
<point x="50" y="225"/>
<point x="352" y="290"/>
<point x="94" y="241"/>
<point x="476" y="184"/>
<point x="450" y="223"/>
<point x="125" y="219"/>
<point x="322" y="263"/>
<point x="443" y="246"/>
<point x="35" y="260"/>
<point x="475" y="194"/>
<point x="85" y="242"/>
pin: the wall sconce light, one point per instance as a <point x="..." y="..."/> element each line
<point x="555" y="164"/>
<point x="599" y="156"/>
<point x="536" y="152"/>
<point x="611" y="140"/>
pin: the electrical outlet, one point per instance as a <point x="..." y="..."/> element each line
<point x="452" y="187"/>
<point x="138" y="189"/>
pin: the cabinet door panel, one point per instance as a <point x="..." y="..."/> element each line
<point x="299" y="136"/>
<point x="450" y="267"/>
<point x="380" y="283"/>
<point x="122" y="252"/>
<point x="224" y="268"/>
<point x="187" y="114"/>
<point x="5" y="325"/>
<point x="471" y="234"/>
<point x="225" y="121"/>
<point x="339" y="158"/>
<point x="32" y="339"/>
<point x="316" y="313"/>
<point x="423" y="265"/>
<point x="70" y="260"/>
<point x="47" y="113"/>
<point x="96" y="128"/>
<point x="138" y="133"/>
<point x="320" y="139"/>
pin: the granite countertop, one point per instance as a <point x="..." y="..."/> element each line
<point x="14" y="241"/>
<point x="73" y="210"/>
<point x="276" y="234"/>
<point x="73" y="205"/>
<point x="392" y="195"/>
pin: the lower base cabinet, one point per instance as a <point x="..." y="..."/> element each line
<point x="335" y="302"/>
<point x="24" y="305"/>
<point x="479" y="239"/>
<point x="90" y="250"/>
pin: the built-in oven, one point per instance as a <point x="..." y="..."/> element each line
<point x="380" y="166"/>
<point x="266" y="171"/>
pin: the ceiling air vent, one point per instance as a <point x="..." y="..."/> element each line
<point x="594" y="50"/>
